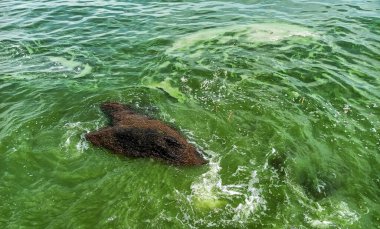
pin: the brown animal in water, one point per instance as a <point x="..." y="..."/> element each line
<point x="136" y="135"/>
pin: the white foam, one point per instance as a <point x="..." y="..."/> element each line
<point x="72" y="65"/>
<point x="252" y="202"/>
<point x="321" y="216"/>
<point x="65" y="62"/>
<point x="319" y="223"/>
<point x="87" y="69"/>
<point x="345" y="213"/>
<point x="72" y="130"/>
<point x="251" y="33"/>
<point x="209" y="192"/>
<point x="82" y="145"/>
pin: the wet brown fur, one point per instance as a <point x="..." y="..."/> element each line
<point x="135" y="135"/>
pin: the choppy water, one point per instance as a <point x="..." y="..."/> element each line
<point x="284" y="96"/>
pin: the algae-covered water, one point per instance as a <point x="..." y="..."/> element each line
<point x="282" y="96"/>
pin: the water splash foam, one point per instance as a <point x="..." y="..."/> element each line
<point x="239" y="202"/>
<point x="73" y="130"/>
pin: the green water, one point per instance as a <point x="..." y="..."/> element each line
<point x="283" y="96"/>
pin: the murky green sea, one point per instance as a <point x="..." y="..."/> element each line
<point x="283" y="97"/>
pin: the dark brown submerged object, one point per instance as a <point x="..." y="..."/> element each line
<point x="136" y="135"/>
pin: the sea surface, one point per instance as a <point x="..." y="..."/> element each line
<point x="282" y="96"/>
